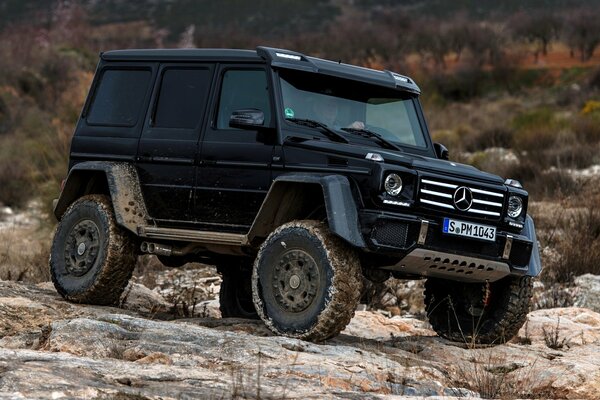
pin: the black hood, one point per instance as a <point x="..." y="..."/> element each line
<point x="417" y="162"/>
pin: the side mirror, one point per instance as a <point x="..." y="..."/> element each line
<point x="247" y="118"/>
<point x="441" y="151"/>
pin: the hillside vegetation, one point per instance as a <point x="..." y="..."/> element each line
<point x="511" y="87"/>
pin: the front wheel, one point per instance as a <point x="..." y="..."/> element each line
<point x="306" y="282"/>
<point x="92" y="258"/>
<point x="482" y="313"/>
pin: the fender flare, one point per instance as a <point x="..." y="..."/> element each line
<point x="123" y="185"/>
<point x="342" y="213"/>
<point x="535" y="263"/>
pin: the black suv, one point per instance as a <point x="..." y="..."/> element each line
<point x="297" y="177"/>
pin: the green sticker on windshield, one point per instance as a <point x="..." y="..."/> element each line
<point x="289" y="113"/>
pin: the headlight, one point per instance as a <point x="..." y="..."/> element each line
<point x="393" y="184"/>
<point x="515" y="206"/>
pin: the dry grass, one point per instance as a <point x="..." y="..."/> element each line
<point x="575" y="239"/>
<point x="24" y="254"/>
<point x="552" y="337"/>
<point x="494" y="376"/>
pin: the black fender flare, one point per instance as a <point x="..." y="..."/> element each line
<point x="535" y="263"/>
<point x="123" y="185"/>
<point x="341" y="208"/>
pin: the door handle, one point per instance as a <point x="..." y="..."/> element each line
<point x="144" y="158"/>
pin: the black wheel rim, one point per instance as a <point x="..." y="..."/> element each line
<point x="295" y="281"/>
<point x="82" y="248"/>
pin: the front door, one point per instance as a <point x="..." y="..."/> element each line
<point x="235" y="170"/>
<point x="169" y="144"/>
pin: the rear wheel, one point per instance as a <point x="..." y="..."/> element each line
<point x="484" y="313"/>
<point x="235" y="296"/>
<point x="306" y="281"/>
<point x="92" y="258"/>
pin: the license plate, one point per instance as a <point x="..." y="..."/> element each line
<point x="469" y="229"/>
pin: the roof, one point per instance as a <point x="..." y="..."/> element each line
<point x="277" y="58"/>
<point x="181" y="55"/>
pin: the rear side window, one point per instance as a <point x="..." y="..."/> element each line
<point x="182" y="98"/>
<point x="119" y="97"/>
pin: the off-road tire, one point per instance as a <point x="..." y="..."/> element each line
<point x="329" y="267"/>
<point x="235" y="296"/>
<point x="103" y="276"/>
<point x="497" y="320"/>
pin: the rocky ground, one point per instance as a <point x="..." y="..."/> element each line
<point x="53" y="349"/>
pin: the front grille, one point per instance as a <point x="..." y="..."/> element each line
<point x="388" y="233"/>
<point x="439" y="194"/>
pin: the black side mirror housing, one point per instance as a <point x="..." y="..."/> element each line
<point x="441" y="151"/>
<point x="247" y="118"/>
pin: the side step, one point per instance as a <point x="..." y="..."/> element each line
<point x="208" y="237"/>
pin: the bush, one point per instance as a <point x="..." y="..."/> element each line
<point x="541" y="184"/>
<point x="493" y="137"/>
<point x="578" y="244"/>
<point x="14" y="184"/>
<point x="587" y="127"/>
<point x="464" y="84"/>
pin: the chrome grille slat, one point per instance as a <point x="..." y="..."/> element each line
<point x="487" y="204"/>
<point x="431" y="192"/>
<point x="483" y="212"/>
<point x="435" y="203"/>
<point x="487" y="192"/>
<point x="448" y="185"/>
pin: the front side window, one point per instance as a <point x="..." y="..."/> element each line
<point x="243" y="89"/>
<point x="345" y="105"/>
<point x="119" y="97"/>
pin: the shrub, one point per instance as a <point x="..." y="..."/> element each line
<point x="587" y="127"/>
<point x="452" y="139"/>
<point x="554" y="183"/>
<point x="580" y="246"/>
<point x="535" y="130"/>
<point x="464" y="84"/>
<point x="14" y="183"/>
<point x="493" y="137"/>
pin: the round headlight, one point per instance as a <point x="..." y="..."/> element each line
<point x="515" y="206"/>
<point x="393" y="184"/>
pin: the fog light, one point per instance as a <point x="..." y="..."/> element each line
<point x="393" y="184"/>
<point x="515" y="206"/>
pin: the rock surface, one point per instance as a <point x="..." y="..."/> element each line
<point x="588" y="293"/>
<point x="53" y="349"/>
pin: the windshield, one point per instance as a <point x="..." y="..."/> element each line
<point x="346" y="105"/>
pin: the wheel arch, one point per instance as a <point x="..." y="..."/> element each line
<point x="292" y="195"/>
<point x="535" y="263"/>
<point x="120" y="181"/>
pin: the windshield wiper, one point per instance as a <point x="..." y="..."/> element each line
<point x="327" y="131"/>
<point x="370" y="134"/>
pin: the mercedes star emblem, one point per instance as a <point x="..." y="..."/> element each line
<point x="463" y="198"/>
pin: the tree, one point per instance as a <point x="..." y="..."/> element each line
<point x="538" y="29"/>
<point x="583" y="32"/>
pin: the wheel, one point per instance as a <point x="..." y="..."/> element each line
<point x="306" y="282"/>
<point x="478" y="312"/>
<point x="235" y="296"/>
<point x="91" y="259"/>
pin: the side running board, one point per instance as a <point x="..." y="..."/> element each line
<point x="227" y="239"/>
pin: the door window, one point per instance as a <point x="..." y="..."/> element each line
<point x="243" y="89"/>
<point x="182" y="97"/>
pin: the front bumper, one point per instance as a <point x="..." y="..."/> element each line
<point x="418" y="247"/>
